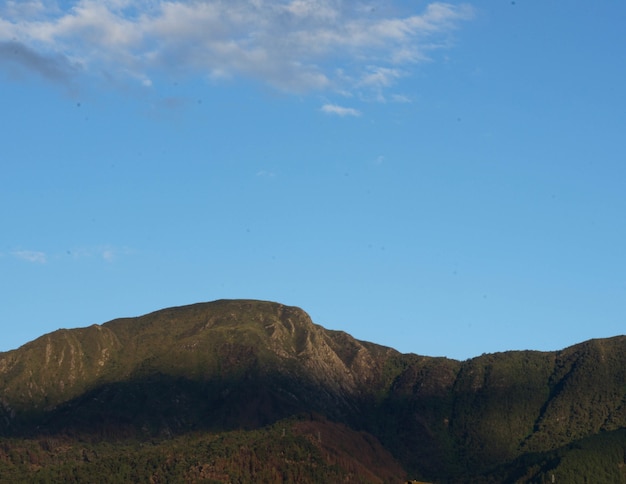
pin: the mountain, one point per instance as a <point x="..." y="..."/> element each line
<point x="254" y="391"/>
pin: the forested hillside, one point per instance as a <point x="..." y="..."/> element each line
<point x="242" y="391"/>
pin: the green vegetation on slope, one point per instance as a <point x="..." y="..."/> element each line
<point x="599" y="459"/>
<point x="298" y="450"/>
<point x="243" y="365"/>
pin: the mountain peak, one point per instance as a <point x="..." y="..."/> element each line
<point x="246" y="364"/>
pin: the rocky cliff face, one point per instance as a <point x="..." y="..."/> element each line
<point x="245" y="364"/>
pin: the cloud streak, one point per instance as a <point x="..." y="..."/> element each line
<point x="106" y="253"/>
<point x="31" y="256"/>
<point x="294" y="45"/>
<point x="339" y="110"/>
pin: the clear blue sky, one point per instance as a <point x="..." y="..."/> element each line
<point x="443" y="178"/>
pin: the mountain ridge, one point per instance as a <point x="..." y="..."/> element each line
<point x="235" y="365"/>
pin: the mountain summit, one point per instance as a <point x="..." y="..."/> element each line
<point x="261" y="370"/>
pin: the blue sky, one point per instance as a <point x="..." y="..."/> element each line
<point x="444" y="178"/>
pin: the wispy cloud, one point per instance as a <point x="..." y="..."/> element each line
<point x="339" y="110"/>
<point x="400" y="98"/>
<point x="379" y="77"/>
<point x="266" y="174"/>
<point x="106" y="252"/>
<point x="109" y="254"/>
<point x="295" y="45"/>
<point x="30" y="256"/>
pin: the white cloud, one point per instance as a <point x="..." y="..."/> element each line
<point x="400" y="98"/>
<point x="108" y="254"/>
<point x="379" y="77"/>
<point x="31" y="256"/>
<point x="295" y="45"/>
<point x="23" y="8"/>
<point x="339" y="110"/>
<point x="105" y="252"/>
<point x="265" y="174"/>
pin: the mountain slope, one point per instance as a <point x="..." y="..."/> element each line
<point x="243" y="364"/>
<point x="296" y="450"/>
<point x="257" y="361"/>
